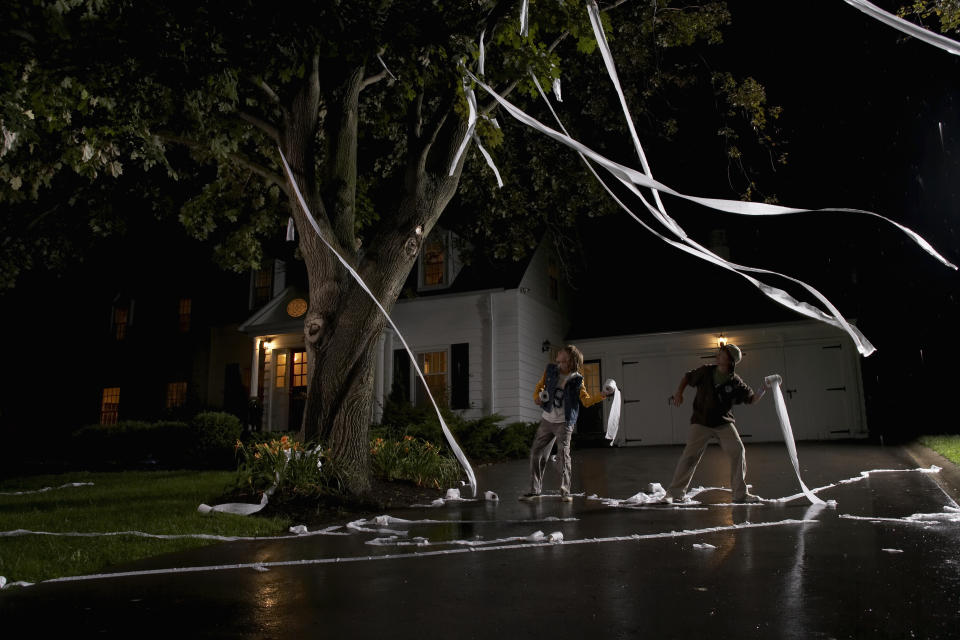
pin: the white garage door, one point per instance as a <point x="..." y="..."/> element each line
<point x="647" y="384"/>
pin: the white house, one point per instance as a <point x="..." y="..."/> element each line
<point x="482" y="340"/>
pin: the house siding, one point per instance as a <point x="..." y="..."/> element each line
<point x="436" y="323"/>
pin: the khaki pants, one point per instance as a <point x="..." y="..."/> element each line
<point x="698" y="438"/>
<point x="547" y="432"/>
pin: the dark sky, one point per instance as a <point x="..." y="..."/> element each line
<point x="863" y="110"/>
<point x="864" y="107"/>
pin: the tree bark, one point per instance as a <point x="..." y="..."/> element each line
<point x="342" y="325"/>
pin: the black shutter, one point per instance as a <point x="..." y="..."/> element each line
<point x="460" y="376"/>
<point x="400" y="392"/>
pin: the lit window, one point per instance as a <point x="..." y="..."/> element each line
<point x="110" y="405"/>
<point x="176" y="394"/>
<point x="434" y="261"/>
<point x="591" y="377"/>
<point x="184" y="307"/>
<point x="299" y="368"/>
<point x="281" y="370"/>
<point x="434" y="367"/>
<point x="120" y="316"/>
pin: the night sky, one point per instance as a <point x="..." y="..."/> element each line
<point x="864" y="107"/>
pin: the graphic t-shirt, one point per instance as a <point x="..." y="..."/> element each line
<point x="556" y="405"/>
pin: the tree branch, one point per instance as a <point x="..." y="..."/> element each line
<point x="272" y="132"/>
<point x="263" y="86"/>
<point x="373" y="79"/>
<point x="238" y="158"/>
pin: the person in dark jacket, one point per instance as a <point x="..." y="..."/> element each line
<point x="560" y="392"/>
<point x="718" y="389"/>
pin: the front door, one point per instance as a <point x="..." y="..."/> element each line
<point x="298" y="390"/>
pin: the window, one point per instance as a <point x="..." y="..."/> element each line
<point x="591" y="377"/>
<point x="262" y="286"/>
<point x="176" y="394"/>
<point x="110" y="405"/>
<point x="184" y="308"/>
<point x="120" y="317"/>
<point x="434" y="261"/>
<point x="590" y="421"/>
<point x="553" y="273"/>
<point x="299" y="368"/>
<point x="434" y="367"/>
<point x="281" y="371"/>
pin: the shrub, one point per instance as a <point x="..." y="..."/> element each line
<point x="515" y="439"/>
<point x="213" y="434"/>
<point x="482" y="439"/>
<point x="285" y="464"/>
<point x="130" y="444"/>
<point x="413" y="459"/>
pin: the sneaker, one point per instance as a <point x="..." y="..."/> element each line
<point x="566" y="498"/>
<point x="666" y="500"/>
<point x="530" y="496"/>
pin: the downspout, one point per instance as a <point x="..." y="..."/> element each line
<point x="492" y="356"/>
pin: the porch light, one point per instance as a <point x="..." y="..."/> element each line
<point x="721" y="341"/>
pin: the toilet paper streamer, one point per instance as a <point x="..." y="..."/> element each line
<point x="773" y="383"/>
<point x="613" y="419"/>
<point x="451" y="441"/>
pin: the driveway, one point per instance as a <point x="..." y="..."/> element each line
<point x="861" y="568"/>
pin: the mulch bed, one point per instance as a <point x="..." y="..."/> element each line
<point x="321" y="511"/>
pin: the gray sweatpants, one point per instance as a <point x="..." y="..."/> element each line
<point x="698" y="438"/>
<point x="547" y="432"/>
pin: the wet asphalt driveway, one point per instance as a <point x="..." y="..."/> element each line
<point x="859" y="569"/>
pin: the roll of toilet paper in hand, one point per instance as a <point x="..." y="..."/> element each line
<point x="544" y="396"/>
<point x="613" y="419"/>
<point x="773" y="382"/>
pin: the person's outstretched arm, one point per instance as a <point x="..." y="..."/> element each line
<point x="678" y="394"/>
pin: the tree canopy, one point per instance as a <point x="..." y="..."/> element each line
<point x="118" y="109"/>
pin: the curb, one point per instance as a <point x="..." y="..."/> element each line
<point x="949" y="476"/>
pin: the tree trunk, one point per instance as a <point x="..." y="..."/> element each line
<point x="343" y="324"/>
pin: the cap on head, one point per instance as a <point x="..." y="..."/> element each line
<point x="734" y="352"/>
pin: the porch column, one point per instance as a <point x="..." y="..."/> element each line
<point x="255" y="369"/>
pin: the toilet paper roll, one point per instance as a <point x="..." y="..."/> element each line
<point x="616" y="407"/>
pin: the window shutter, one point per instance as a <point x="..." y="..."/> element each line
<point x="460" y="376"/>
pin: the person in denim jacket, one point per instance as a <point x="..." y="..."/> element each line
<point x="560" y="392"/>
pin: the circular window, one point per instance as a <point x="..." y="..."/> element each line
<point x="296" y="307"/>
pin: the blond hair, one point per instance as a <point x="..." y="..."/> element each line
<point x="576" y="358"/>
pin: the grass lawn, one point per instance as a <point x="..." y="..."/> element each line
<point x="947" y="446"/>
<point x="158" y="502"/>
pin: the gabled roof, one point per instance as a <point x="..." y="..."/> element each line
<point x="273" y="316"/>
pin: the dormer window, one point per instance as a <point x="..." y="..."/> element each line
<point x="121" y="318"/>
<point x="434" y="262"/>
<point x="261" y="289"/>
<point x="184" y="308"/>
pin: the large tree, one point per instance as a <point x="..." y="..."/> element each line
<point x="107" y="100"/>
